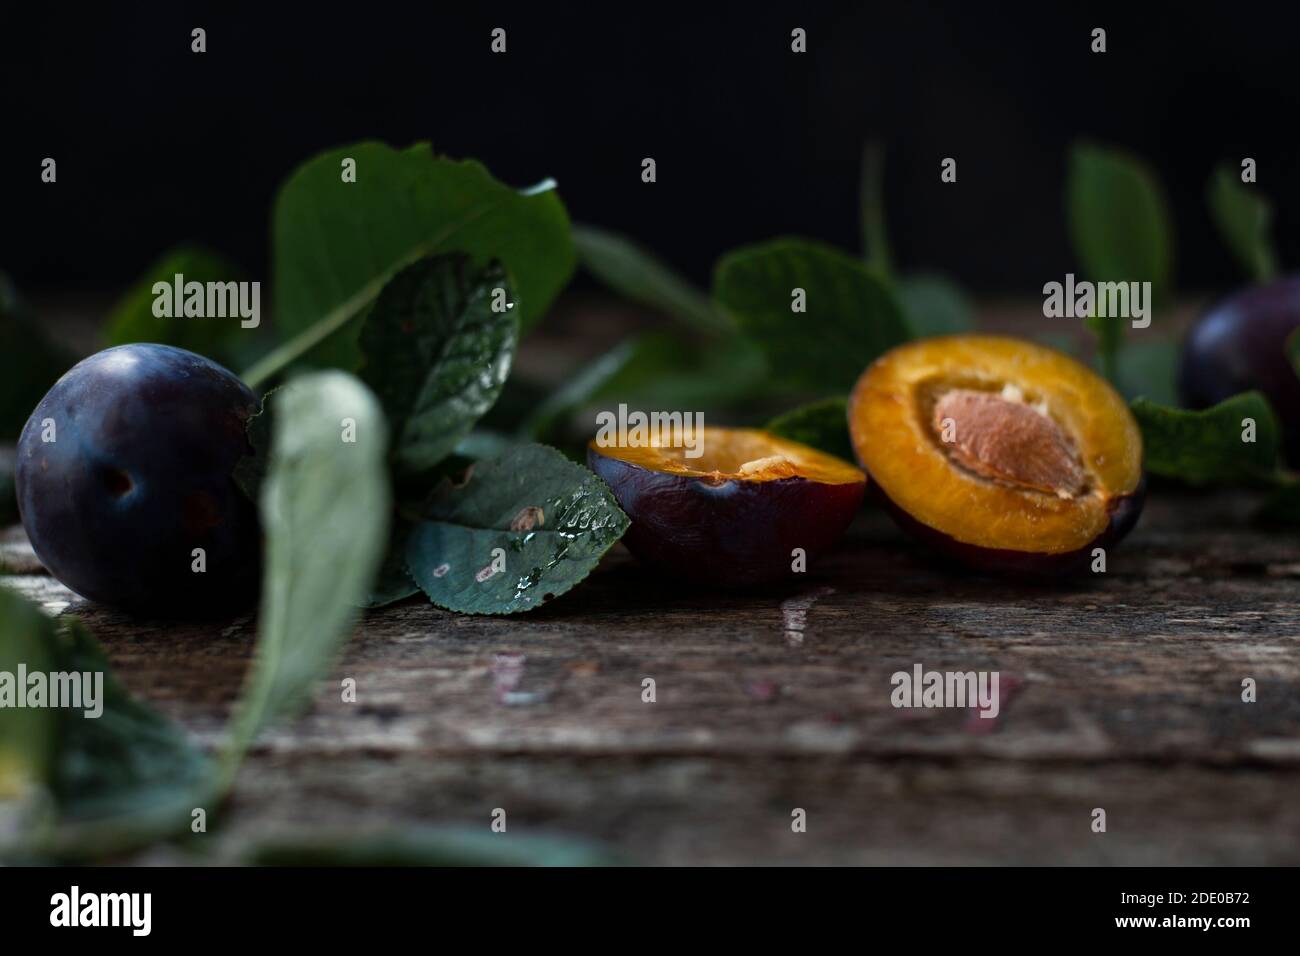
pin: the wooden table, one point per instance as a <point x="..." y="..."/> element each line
<point x="1120" y="691"/>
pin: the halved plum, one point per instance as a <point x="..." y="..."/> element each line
<point x="1003" y="454"/>
<point x="735" y="515"/>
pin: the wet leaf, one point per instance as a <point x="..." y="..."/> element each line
<point x="525" y="527"/>
<point x="436" y="353"/>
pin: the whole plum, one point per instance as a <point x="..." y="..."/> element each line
<point x="124" y="482"/>
<point x="1240" y="344"/>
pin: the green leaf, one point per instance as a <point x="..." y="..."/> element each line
<point x="436" y="354"/>
<point x="666" y="371"/>
<point x="132" y="318"/>
<point x="128" y="762"/>
<point x="1063" y="342"/>
<point x="823" y="425"/>
<point x="431" y="846"/>
<point x="336" y="244"/>
<point x="871" y="209"/>
<point x="935" y="305"/>
<point x="551" y="519"/>
<point x="87" y="786"/>
<point x="1206" y="447"/>
<point x="325" y="512"/>
<point x="1244" y="217"/>
<point x="1121" y="230"/>
<point x="1282" y="506"/>
<point x="579" y="389"/>
<point x="851" y="315"/>
<point x="393" y="582"/>
<point x="29" y="737"/>
<point x="8" y="491"/>
<point x="1119" y="219"/>
<point x="29" y="363"/>
<point x="1150" y="370"/>
<point x="636" y="273"/>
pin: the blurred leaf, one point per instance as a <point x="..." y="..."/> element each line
<point x="480" y="443"/>
<point x="336" y="244"/>
<point x="579" y="389"/>
<point x="823" y="425"/>
<point x="132" y="318"/>
<point x="8" y="492"/>
<point x="1244" y="216"/>
<point x="130" y="761"/>
<point x="29" y="736"/>
<point x="1282" y="506"/>
<point x="1206" y="447"/>
<point x="325" y="509"/>
<point x="436" y="354"/>
<point x="1122" y="232"/>
<point x="638" y="274"/>
<point x="393" y="582"/>
<point x="431" y="846"/>
<point x="935" y="306"/>
<point x="1150" y="370"/>
<point x="1119" y="219"/>
<point x="1063" y="342"/>
<point x="852" y="317"/>
<point x="667" y="372"/>
<point x="29" y="363"/>
<point x="871" y="209"/>
<point x="86" y="786"/>
<point x="551" y="520"/>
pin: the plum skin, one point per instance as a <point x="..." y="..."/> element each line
<point x="1239" y="345"/>
<point x="1124" y="511"/>
<point x="733" y="533"/>
<point x="138" y="476"/>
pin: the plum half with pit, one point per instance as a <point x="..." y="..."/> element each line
<point x="1005" y="455"/>
<point x="735" y="515"/>
<point x="1241" y="344"/>
<point x="124" y="482"/>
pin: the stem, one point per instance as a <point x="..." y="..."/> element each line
<point x="871" y="204"/>
<point x="285" y="354"/>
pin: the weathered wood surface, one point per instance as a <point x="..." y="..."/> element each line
<point x="1121" y="691"/>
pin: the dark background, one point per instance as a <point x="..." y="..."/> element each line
<point x="156" y="145"/>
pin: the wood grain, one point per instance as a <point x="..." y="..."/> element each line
<point x="1120" y="691"/>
